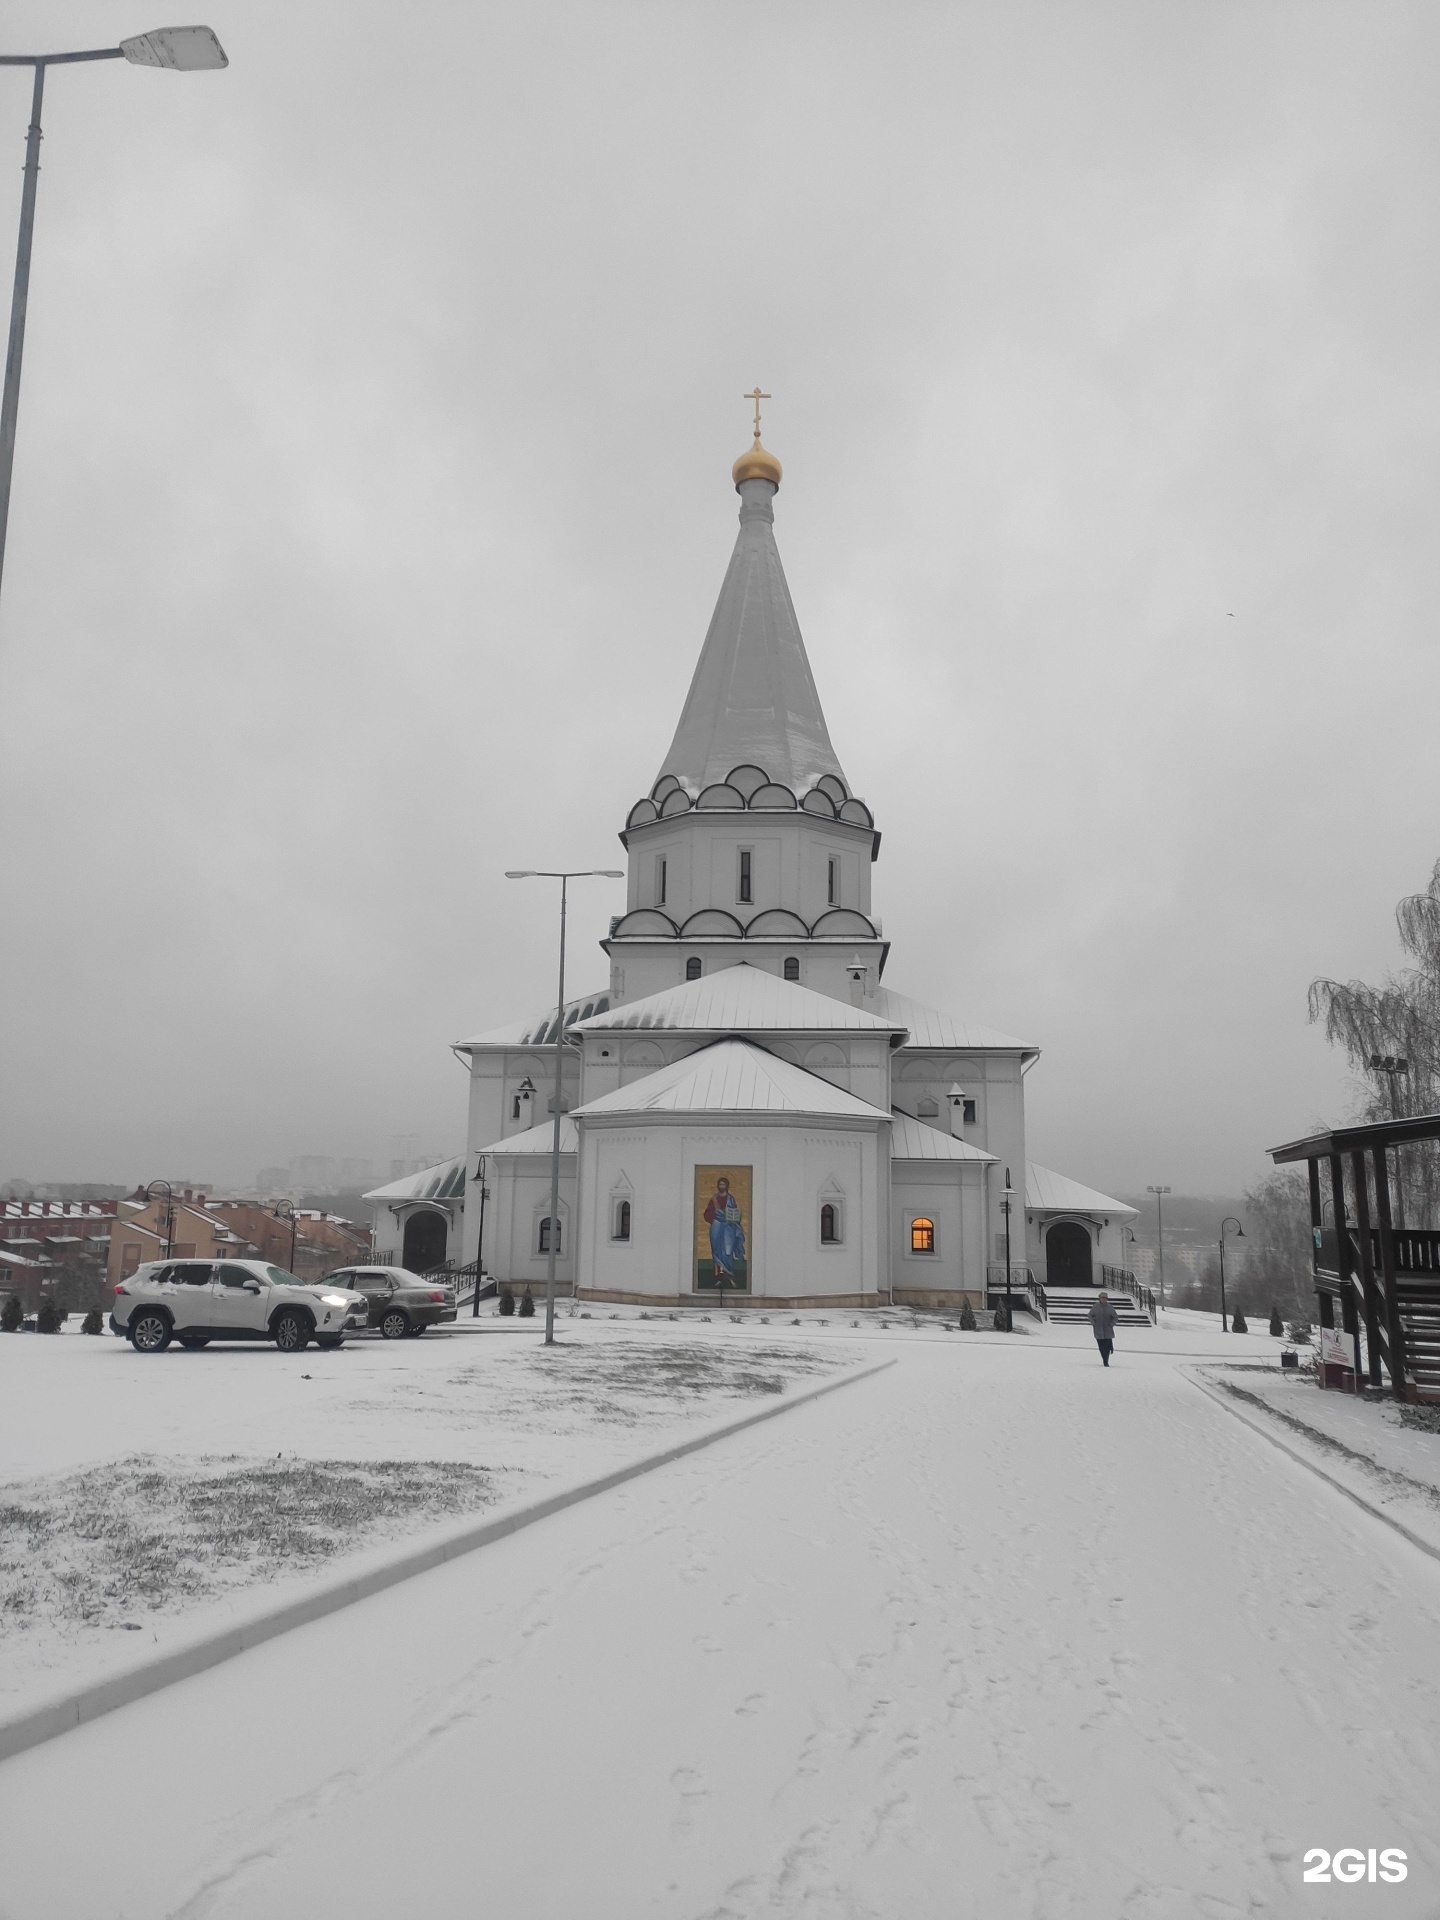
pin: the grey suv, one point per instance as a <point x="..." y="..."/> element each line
<point x="400" y="1302"/>
<point x="197" y="1301"/>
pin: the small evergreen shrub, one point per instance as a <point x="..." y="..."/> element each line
<point x="47" y="1320"/>
<point x="967" y="1318"/>
<point x="527" y="1305"/>
<point x="1238" y="1322"/>
<point x="1277" y="1325"/>
<point x="506" y="1303"/>
<point x="11" y="1314"/>
<point x="1300" y="1333"/>
<point x="1002" y="1319"/>
<point x="93" y="1322"/>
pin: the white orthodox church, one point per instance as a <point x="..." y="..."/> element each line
<point x="749" y="1108"/>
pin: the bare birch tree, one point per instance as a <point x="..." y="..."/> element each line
<point x="1399" y="1019"/>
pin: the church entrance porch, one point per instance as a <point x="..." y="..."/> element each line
<point x="1069" y="1256"/>
<point x="424" y="1245"/>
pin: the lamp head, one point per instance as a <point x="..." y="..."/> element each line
<point x="181" y="49"/>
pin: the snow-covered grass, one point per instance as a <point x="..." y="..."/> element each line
<point x="143" y="1493"/>
<point x="96" y="1549"/>
<point x="1387" y="1453"/>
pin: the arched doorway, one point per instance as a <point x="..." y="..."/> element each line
<point x="425" y="1236"/>
<point x="1069" y="1260"/>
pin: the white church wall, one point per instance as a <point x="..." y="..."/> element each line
<point x="641" y="967"/>
<point x="951" y="1194"/>
<point x="519" y="1200"/>
<point x="795" y="1168"/>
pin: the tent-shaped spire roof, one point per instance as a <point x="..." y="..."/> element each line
<point x="752" y="700"/>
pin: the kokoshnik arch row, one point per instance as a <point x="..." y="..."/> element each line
<point x="748" y="1110"/>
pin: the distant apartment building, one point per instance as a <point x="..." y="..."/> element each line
<point x="45" y="1243"/>
<point x="196" y="1226"/>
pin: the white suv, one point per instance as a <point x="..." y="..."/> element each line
<point x="197" y="1301"/>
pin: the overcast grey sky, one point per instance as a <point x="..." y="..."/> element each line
<point x="372" y="498"/>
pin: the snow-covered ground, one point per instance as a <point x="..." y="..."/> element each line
<point x="994" y="1632"/>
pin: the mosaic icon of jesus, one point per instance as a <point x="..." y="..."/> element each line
<point x="722" y="1219"/>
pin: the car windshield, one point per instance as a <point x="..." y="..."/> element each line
<point x="278" y="1277"/>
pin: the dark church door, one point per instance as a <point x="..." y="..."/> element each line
<point x="424" y="1242"/>
<point x="1068" y="1261"/>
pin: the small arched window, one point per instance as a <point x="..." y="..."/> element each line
<point x="792" y="967"/>
<point x="692" y="967"/>
<point x="829" y="1224"/>
<point x="622" y="1220"/>
<point x="922" y="1235"/>
<point x="544" y="1243"/>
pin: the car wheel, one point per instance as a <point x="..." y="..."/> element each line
<point x="193" y="1341"/>
<point x="292" y="1331"/>
<point x="149" y="1333"/>
<point x="395" y="1325"/>
<point x="329" y="1341"/>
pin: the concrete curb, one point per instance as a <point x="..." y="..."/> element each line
<point x="1248" y="1419"/>
<point x="45" y="1722"/>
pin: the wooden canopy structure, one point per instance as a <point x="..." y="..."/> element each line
<point x="1368" y="1271"/>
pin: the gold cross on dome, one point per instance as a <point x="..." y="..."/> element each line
<point x="757" y="396"/>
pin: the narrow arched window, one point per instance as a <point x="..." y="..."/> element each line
<point x="792" y="967"/>
<point x="829" y="1225"/>
<point x="922" y="1235"/>
<point x="622" y="1220"/>
<point x="544" y="1245"/>
<point x="692" y="967"/>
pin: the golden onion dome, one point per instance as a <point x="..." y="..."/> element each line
<point x="756" y="463"/>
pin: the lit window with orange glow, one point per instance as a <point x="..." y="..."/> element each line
<point x="922" y="1235"/>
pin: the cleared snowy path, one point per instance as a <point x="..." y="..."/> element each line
<point x="994" y="1633"/>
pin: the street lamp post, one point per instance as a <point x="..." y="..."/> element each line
<point x="183" y="50"/>
<point x="1393" y="1066"/>
<point x="479" y="1178"/>
<point x="1005" y="1209"/>
<point x="285" y="1210"/>
<point x="169" y="1210"/>
<point x="1228" y="1221"/>
<point x="1159" y="1193"/>
<point x="552" y="1238"/>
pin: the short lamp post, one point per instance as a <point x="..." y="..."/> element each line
<point x="169" y="1210"/>
<point x="182" y="50"/>
<point x="552" y="1238"/>
<point x="1159" y="1193"/>
<point x="285" y="1210"/>
<point x="478" y="1179"/>
<point x="1228" y="1221"/>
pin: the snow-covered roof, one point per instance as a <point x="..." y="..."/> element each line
<point x="16" y="1259"/>
<point x="732" y="1076"/>
<point x="539" y="1029"/>
<point x="444" y="1181"/>
<point x="911" y="1139"/>
<point x="539" y="1139"/>
<point x="752" y="697"/>
<point x="739" y="999"/>
<point x="929" y="1027"/>
<point x="1054" y="1193"/>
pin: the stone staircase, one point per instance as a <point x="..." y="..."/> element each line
<point x="1072" y="1305"/>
